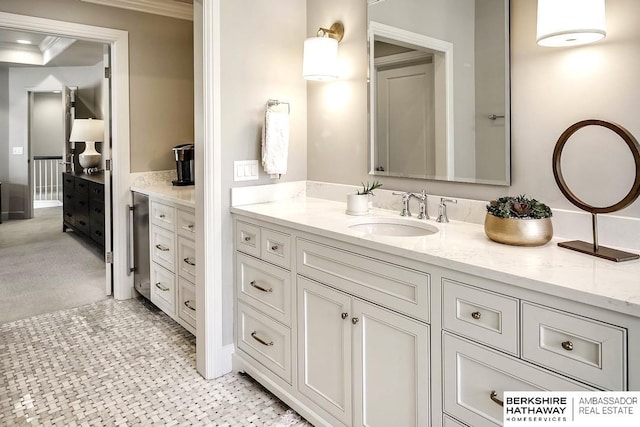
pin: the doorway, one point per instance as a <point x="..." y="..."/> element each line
<point x="118" y="151"/>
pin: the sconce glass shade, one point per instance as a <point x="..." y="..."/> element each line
<point x="570" y="22"/>
<point x="320" y="59"/>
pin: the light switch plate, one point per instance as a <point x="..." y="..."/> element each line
<point x="18" y="151"/>
<point x="245" y="170"/>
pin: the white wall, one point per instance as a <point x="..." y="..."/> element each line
<point x="261" y="59"/>
<point x="551" y="90"/>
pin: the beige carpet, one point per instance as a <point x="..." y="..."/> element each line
<point x="43" y="269"/>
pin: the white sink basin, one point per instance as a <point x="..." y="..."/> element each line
<point x="400" y="227"/>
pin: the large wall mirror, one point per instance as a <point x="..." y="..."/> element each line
<point x="439" y="90"/>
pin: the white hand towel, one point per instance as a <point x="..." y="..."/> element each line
<point x="275" y="142"/>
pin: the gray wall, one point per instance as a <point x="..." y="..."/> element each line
<point x="261" y="59"/>
<point x="4" y="135"/>
<point x="160" y="69"/>
<point x="551" y="90"/>
<point x="47" y="124"/>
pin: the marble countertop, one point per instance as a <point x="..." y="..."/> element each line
<point x="184" y="196"/>
<point x="464" y="247"/>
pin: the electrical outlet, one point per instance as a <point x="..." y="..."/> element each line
<point x="245" y="170"/>
<point x="18" y="151"/>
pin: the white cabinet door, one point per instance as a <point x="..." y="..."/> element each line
<point x="324" y="348"/>
<point x="391" y="368"/>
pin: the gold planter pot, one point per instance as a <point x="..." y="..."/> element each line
<point x="519" y="232"/>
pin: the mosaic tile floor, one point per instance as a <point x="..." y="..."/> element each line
<point x="120" y="363"/>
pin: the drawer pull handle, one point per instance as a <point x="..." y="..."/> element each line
<point x="494" y="396"/>
<point x="188" y="261"/>
<point x="191" y="227"/>
<point x="187" y="304"/>
<point x="247" y="238"/>
<point x="344" y="315"/>
<point x="567" y="345"/>
<point x="476" y="315"/>
<point x="274" y="248"/>
<point x="162" y="288"/>
<point x="260" y="340"/>
<point x="161" y="216"/>
<point x="355" y="320"/>
<point x="162" y="248"/>
<point x="260" y="288"/>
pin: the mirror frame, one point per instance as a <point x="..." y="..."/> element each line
<point x="409" y="39"/>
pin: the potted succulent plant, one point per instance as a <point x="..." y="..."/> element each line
<point x="518" y="221"/>
<point x="358" y="202"/>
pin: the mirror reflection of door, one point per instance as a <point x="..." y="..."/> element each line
<point x="405" y="109"/>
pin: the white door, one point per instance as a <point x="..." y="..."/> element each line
<point x="391" y="368"/>
<point x="406" y="120"/>
<point x="68" y="100"/>
<point x="324" y="347"/>
<point x="106" y="159"/>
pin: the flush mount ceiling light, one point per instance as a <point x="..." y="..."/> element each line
<point x="564" y="23"/>
<point x="21" y="41"/>
<point x="320" y="61"/>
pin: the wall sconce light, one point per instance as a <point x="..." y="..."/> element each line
<point x="88" y="131"/>
<point x="564" y="23"/>
<point x="320" y="61"/>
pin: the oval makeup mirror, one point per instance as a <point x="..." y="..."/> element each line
<point x="594" y="248"/>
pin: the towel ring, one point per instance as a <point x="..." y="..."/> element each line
<point x="276" y="102"/>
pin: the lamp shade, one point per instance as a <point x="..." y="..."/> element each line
<point x="320" y="59"/>
<point x="570" y="22"/>
<point x="87" y="130"/>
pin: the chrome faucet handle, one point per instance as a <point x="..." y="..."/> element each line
<point x="405" y="203"/>
<point x="442" y="209"/>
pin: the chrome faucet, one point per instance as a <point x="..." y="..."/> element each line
<point x="442" y="209"/>
<point x="422" y="198"/>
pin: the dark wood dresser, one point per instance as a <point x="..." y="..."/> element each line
<point x="83" y="206"/>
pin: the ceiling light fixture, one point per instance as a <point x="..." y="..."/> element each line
<point x="320" y="61"/>
<point x="564" y="23"/>
<point x="22" y="41"/>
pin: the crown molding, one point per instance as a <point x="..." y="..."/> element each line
<point x="171" y="8"/>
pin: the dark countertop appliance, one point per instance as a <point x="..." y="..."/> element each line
<point x="184" y="164"/>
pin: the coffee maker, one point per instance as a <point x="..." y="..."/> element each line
<point x="184" y="164"/>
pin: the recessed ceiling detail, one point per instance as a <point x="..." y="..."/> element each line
<point x="181" y="9"/>
<point x="40" y="52"/>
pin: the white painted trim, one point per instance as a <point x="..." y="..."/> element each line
<point x="212" y="358"/>
<point x="402" y="58"/>
<point x="410" y="39"/>
<point x="172" y="8"/>
<point x="119" y="41"/>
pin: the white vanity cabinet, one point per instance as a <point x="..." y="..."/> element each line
<point x="172" y="243"/>
<point x="348" y="333"/>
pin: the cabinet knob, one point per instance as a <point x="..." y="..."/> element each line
<point x="274" y="248"/>
<point x="567" y="345"/>
<point x="494" y="396"/>
<point x="355" y="320"/>
<point x="476" y="315"/>
<point x="344" y="315"/>
<point x="161" y="216"/>
<point x="247" y="238"/>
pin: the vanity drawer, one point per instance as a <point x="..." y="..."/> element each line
<point x="187" y="303"/>
<point x="447" y="421"/>
<point x="163" y="247"/>
<point x="474" y="372"/>
<point x="264" y="286"/>
<point x="266" y="340"/>
<point x="248" y="238"/>
<point x="163" y="289"/>
<point x="583" y="348"/>
<point x="480" y="315"/>
<point x="186" y="224"/>
<point x="163" y="215"/>
<point x="187" y="258"/>
<point x="393" y="286"/>
<point x="276" y="247"/>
